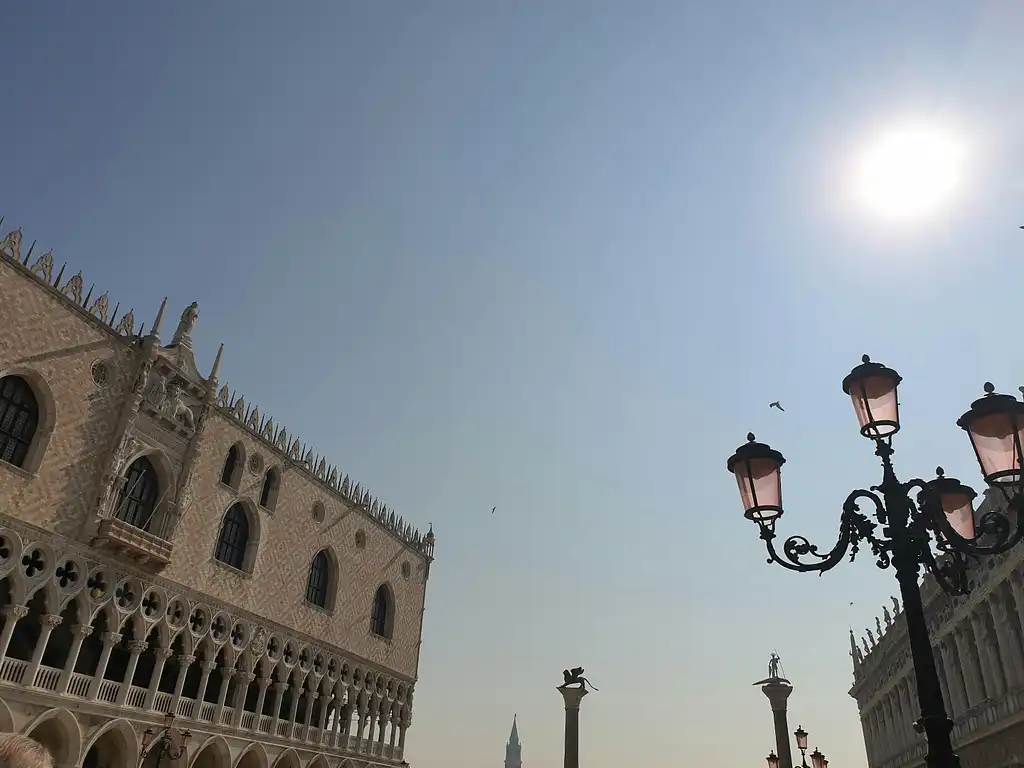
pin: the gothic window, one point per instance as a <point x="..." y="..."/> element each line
<point x="268" y="495"/>
<point x="319" y="579"/>
<point x="234" y="537"/>
<point x="19" y="418"/>
<point x="380" y="616"/>
<point x="232" y="464"/>
<point x="136" y="503"/>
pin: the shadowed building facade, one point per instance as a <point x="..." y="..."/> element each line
<point x="166" y="547"/>
<point x="979" y="653"/>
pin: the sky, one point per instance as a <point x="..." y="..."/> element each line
<point x="557" y="257"/>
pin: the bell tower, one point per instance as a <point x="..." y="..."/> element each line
<point x="514" y="750"/>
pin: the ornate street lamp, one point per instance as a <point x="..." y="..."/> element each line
<point x="163" y="746"/>
<point x="817" y="758"/>
<point x="924" y="524"/>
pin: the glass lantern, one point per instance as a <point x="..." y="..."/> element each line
<point x="873" y="389"/>
<point x="757" y="468"/>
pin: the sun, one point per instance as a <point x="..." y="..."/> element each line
<point x="910" y="172"/>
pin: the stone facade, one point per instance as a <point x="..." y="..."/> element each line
<point x="165" y="548"/>
<point x="977" y="642"/>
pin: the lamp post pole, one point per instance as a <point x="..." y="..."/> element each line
<point x="942" y="520"/>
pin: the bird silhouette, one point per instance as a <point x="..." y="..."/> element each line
<point x="776" y="404"/>
<point x="492" y="510"/>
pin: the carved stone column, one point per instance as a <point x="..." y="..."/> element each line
<point x="162" y="655"/>
<point x="81" y="631"/>
<point x="1016" y="582"/>
<point x="954" y="675"/>
<point x="226" y="673"/>
<point x="110" y="639"/>
<point x="264" y="683"/>
<point x="241" y="694"/>
<point x="184" y="662"/>
<point x="983" y="644"/>
<point x="940" y="665"/>
<point x="204" y="682"/>
<point x="311" y="701"/>
<point x="1010" y="654"/>
<point x="12" y="615"/>
<point x="777" y="693"/>
<point x="969" y="666"/>
<point x="49" y="622"/>
<point x="297" y="693"/>
<point x="279" y="689"/>
<point x="137" y="648"/>
<point x="572" y="698"/>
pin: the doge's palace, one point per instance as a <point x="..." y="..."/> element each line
<point x="978" y="649"/>
<point x="167" y="549"/>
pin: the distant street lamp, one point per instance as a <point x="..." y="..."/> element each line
<point x="938" y="532"/>
<point x="817" y="758"/>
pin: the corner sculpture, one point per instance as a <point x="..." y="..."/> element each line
<point x="575" y="677"/>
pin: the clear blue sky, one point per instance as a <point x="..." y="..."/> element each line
<point x="556" y="257"/>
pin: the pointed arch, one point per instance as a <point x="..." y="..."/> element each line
<point x="289" y="758"/>
<point x="253" y="756"/>
<point x="115" y="743"/>
<point x="318" y="761"/>
<point x="238" y="538"/>
<point x="28" y="414"/>
<point x="6" y="718"/>
<point x="322" y="579"/>
<point x="214" y="753"/>
<point x="382" y="611"/>
<point x="270" y="489"/>
<point x="234" y="465"/>
<point x="58" y="731"/>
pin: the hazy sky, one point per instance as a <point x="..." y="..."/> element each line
<point x="557" y="257"/>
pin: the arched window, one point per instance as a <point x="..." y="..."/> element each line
<point x="227" y="475"/>
<point x="19" y="417"/>
<point x="268" y="495"/>
<point x="136" y="503"/>
<point x="319" y="579"/>
<point x="379" y="616"/>
<point x="234" y="537"/>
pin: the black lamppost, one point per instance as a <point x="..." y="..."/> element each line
<point x="163" y="747"/>
<point x="817" y="758"/>
<point x="938" y="530"/>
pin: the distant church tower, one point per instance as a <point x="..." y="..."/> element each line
<point x="514" y="750"/>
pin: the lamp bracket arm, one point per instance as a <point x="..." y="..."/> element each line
<point x="798" y="554"/>
<point x="993" y="525"/>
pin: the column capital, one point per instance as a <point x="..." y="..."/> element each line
<point x="245" y="676"/>
<point x="264" y="681"/>
<point x="15" y="611"/>
<point x="281" y="686"/>
<point x="110" y="638"/>
<point x="208" y="666"/>
<point x="185" y="659"/>
<point x="138" y="647"/>
<point x="163" y="653"/>
<point x="227" y="672"/>
<point x="572" y="696"/>
<point x="777" y="694"/>
<point x="51" y="620"/>
<point x="83" y="629"/>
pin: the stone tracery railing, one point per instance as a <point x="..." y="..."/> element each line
<point x="372" y="707"/>
<point x="234" y="407"/>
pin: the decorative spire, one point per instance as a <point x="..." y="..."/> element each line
<point x="216" y="364"/>
<point x="155" y="331"/>
<point x="513" y="738"/>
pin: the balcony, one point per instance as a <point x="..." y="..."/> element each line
<point x="124" y="539"/>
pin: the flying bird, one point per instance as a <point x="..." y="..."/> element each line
<point x="492" y="510"/>
<point x="776" y="404"/>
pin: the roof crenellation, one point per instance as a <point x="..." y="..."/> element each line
<point x="233" y="407"/>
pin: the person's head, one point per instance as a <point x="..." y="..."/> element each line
<point x="17" y="751"/>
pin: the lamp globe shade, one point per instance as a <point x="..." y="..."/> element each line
<point x="757" y="468"/>
<point x="801" y="738"/>
<point x="994" y="426"/>
<point x="817" y="759"/>
<point x="957" y="501"/>
<point x="873" y="389"/>
<point x="773" y="760"/>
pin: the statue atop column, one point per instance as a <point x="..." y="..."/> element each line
<point x="774" y="672"/>
<point x="183" y="333"/>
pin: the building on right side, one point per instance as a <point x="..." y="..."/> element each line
<point x="979" y="653"/>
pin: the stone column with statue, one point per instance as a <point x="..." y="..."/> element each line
<point x="573" y="689"/>
<point x="777" y="689"/>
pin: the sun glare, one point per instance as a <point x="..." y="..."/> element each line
<point x="909" y="173"/>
